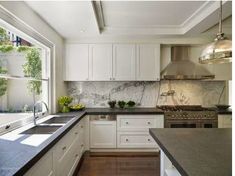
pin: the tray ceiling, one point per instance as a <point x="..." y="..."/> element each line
<point x="76" y="19"/>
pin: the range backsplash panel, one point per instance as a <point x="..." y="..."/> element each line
<point x="148" y="94"/>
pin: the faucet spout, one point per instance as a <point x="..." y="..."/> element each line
<point x="34" y="110"/>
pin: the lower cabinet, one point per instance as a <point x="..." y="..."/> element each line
<point x="126" y="132"/>
<point x="102" y="134"/>
<point x="43" y="167"/>
<point x="225" y="121"/>
<point x="63" y="158"/>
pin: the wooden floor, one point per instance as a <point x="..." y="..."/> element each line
<point x="124" y="165"/>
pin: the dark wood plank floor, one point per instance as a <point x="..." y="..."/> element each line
<point x="95" y="165"/>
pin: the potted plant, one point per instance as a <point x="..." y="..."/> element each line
<point x="64" y="102"/>
<point x="121" y="104"/>
<point x="131" y="104"/>
<point x="112" y="104"/>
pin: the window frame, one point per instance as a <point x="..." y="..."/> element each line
<point x="10" y="22"/>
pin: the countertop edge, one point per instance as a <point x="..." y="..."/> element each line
<point x="171" y="158"/>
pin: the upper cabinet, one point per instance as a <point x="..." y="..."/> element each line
<point x="124" y="62"/>
<point x="109" y="62"/>
<point x="100" y="59"/>
<point x="76" y="62"/>
<point x="148" y="62"/>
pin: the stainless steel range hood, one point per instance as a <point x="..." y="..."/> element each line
<point x="181" y="67"/>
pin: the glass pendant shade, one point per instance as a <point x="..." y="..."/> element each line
<point x="220" y="51"/>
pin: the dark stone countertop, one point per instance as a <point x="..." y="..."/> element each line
<point x="16" y="157"/>
<point x="204" y="152"/>
<point x="225" y="111"/>
<point x="102" y="111"/>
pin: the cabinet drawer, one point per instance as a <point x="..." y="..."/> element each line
<point x="65" y="143"/>
<point x="135" y="140"/>
<point x="136" y="122"/>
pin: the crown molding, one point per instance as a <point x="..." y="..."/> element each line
<point x="206" y="9"/>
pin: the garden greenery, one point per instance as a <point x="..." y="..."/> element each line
<point x="31" y="68"/>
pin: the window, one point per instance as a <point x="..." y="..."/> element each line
<point x="24" y="78"/>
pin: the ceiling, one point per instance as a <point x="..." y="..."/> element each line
<point x="77" y="19"/>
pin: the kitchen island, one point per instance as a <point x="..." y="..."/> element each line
<point x="194" y="152"/>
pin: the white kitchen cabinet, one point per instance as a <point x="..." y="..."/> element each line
<point x="100" y="62"/>
<point x="225" y="121"/>
<point x="102" y="134"/>
<point x="133" y="130"/>
<point x="76" y="62"/>
<point x="43" y="167"/>
<point x="135" y="140"/>
<point x="148" y="62"/>
<point x="124" y="62"/>
<point x="67" y="151"/>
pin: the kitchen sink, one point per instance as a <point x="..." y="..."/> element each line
<point x="58" y="120"/>
<point x="41" y="130"/>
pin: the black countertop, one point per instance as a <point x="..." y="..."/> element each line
<point x="16" y="158"/>
<point x="102" y="111"/>
<point x="194" y="152"/>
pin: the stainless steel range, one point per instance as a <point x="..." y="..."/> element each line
<point x="192" y="116"/>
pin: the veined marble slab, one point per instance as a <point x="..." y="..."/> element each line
<point x="148" y="94"/>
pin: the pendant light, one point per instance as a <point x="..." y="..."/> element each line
<point x="219" y="51"/>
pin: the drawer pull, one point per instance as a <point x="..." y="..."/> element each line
<point x="149" y="140"/>
<point x="127" y="123"/>
<point x="149" y="123"/>
<point x="81" y="126"/>
<point x="82" y="145"/>
<point x="64" y="148"/>
<point x="76" y="133"/>
<point x="127" y="140"/>
<point x="76" y="155"/>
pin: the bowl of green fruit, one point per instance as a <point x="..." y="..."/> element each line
<point x="112" y="104"/>
<point x="77" y="107"/>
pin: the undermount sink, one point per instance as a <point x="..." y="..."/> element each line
<point x="41" y="130"/>
<point x="58" y="120"/>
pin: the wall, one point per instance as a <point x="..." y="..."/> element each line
<point x="24" y="13"/>
<point x="148" y="94"/>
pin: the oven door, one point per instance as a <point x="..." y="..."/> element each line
<point x="209" y="124"/>
<point x="182" y="124"/>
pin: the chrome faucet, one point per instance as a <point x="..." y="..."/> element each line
<point x="34" y="110"/>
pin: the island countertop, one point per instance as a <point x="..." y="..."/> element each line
<point x="200" y="151"/>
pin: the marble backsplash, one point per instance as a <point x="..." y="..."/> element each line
<point x="148" y="94"/>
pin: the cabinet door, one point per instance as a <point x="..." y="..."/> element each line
<point x="148" y="62"/>
<point x="102" y="134"/>
<point x="225" y="121"/>
<point x="76" y="62"/>
<point x="124" y="62"/>
<point x="43" y="167"/>
<point x="100" y="56"/>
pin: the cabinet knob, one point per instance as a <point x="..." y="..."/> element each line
<point x="149" y="123"/>
<point x="82" y="145"/>
<point x="127" y="123"/>
<point x="76" y="155"/>
<point x="81" y="126"/>
<point x="64" y="148"/>
<point x="149" y="140"/>
<point x="76" y="133"/>
<point x="127" y="140"/>
<point x="110" y="78"/>
<point x="87" y="79"/>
